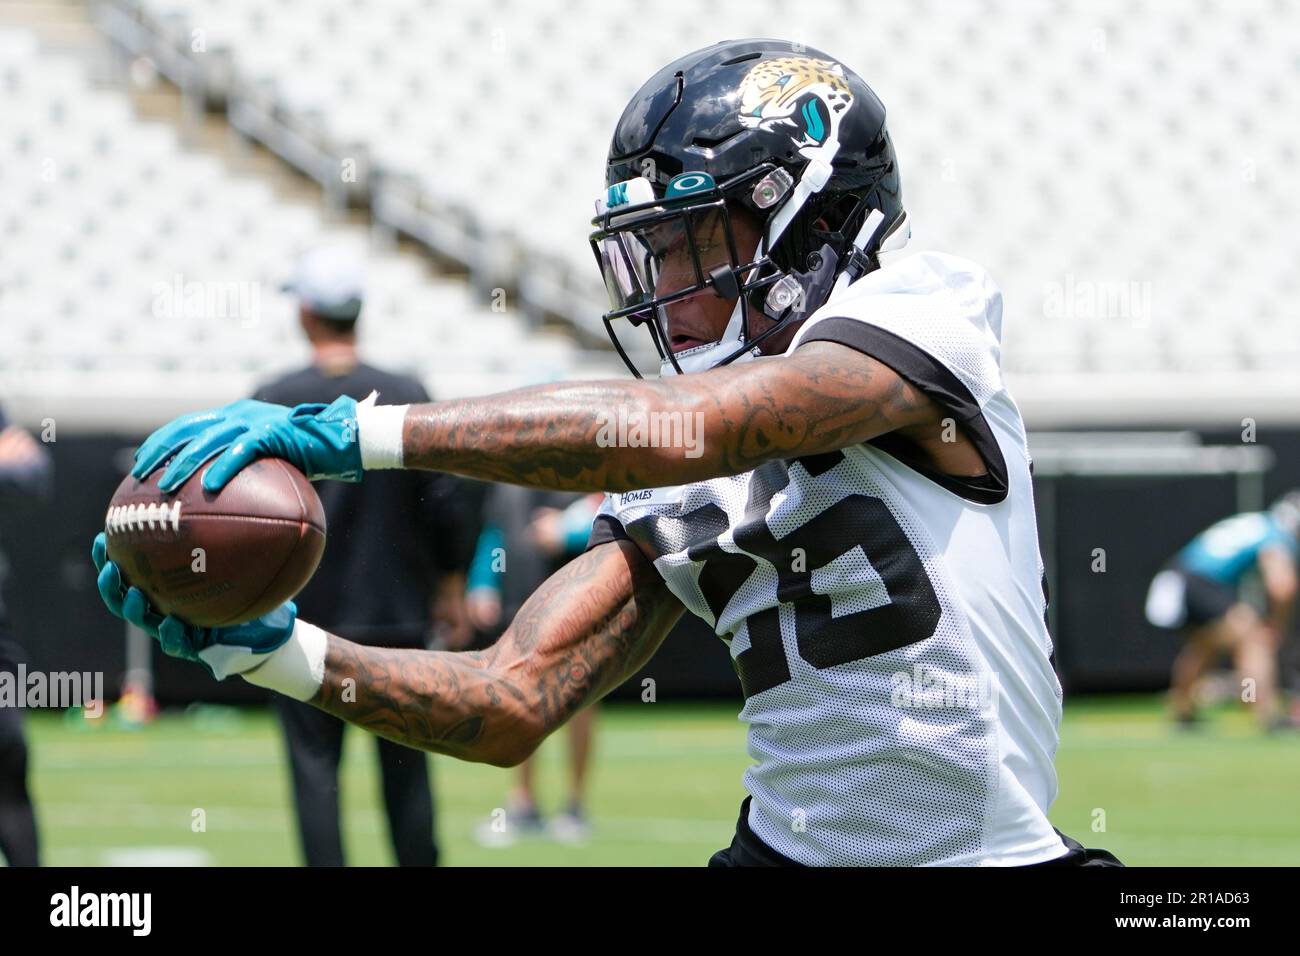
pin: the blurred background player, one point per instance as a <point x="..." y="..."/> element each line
<point x="527" y="536"/>
<point x="24" y="471"/>
<point x="1209" y="591"/>
<point x="401" y="538"/>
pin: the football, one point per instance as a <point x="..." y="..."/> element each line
<point x="218" y="559"/>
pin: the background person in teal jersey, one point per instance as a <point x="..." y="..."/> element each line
<point x="1204" y="592"/>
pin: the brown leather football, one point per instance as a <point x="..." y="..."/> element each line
<point x="218" y="559"/>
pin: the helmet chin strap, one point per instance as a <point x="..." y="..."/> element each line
<point x="704" y="357"/>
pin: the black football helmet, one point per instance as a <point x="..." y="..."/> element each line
<point x="785" y="131"/>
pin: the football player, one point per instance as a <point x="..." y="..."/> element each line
<point x="1203" y="593"/>
<point x="829" y="470"/>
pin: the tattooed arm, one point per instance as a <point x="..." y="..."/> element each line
<point x="820" y="398"/>
<point x="581" y="634"/>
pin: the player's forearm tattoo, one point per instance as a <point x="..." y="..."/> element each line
<point x="821" y="398"/>
<point x="581" y="633"/>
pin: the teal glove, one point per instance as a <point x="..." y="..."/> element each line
<point x="318" y="440"/>
<point x="222" y="650"/>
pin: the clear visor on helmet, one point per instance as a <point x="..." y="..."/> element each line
<point x="648" y="266"/>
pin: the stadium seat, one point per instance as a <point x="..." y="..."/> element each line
<point x="131" y="219"/>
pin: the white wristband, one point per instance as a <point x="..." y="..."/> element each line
<point x="379" y="430"/>
<point x="296" y="668"/>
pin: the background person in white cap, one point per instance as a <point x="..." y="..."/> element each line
<point x="378" y="533"/>
<point x="329" y="282"/>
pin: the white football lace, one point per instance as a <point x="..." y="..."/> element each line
<point x="139" y="517"/>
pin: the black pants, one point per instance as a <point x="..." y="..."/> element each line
<point x="315" y="741"/>
<point x="748" y="850"/>
<point x="18" y="841"/>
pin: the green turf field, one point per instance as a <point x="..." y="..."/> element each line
<point x="665" y="789"/>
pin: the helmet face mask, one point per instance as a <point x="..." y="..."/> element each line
<point x="794" y="141"/>
<point x="657" y="255"/>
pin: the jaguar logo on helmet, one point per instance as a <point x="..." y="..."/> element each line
<point x="806" y="95"/>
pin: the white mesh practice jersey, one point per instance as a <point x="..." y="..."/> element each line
<point x="886" y="621"/>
